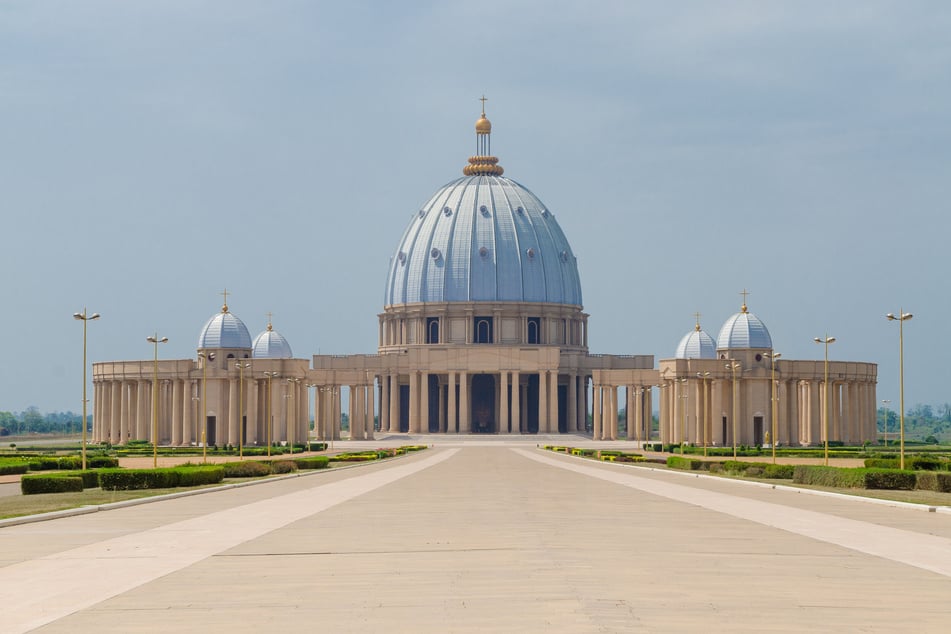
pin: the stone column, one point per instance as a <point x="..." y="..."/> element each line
<point x="115" y="399"/>
<point x="542" y="402"/>
<point x="451" y="407"/>
<point x="414" y="402"/>
<point x="177" y="401"/>
<point x="371" y="410"/>
<point x="251" y="404"/>
<point x="503" y="402"/>
<point x="352" y="414"/>
<point x="596" y="414"/>
<point x="464" y="427"/>
<point x="123" y="411"/>
<point x="516" y="403"/>
<point x="188" y="410"/>
<point x="233" y="414"/>
<point x="571" y="415"/>
<point x="442" y="409"/>
<point x="424" y="403"/>
<point x="394" y="403"/>
<point x="553" y="402"/>
<point x="384" y="402"/>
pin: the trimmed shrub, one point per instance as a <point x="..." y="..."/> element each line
<point x="755" y="471"/>
<point x="199" y="475"/>
<point x="934" y="481"/>
<point x="44" y="463"/>
<point x="687" y="464"/>
<point x="890" y="479"/>
<point x="130" y="479"/>
<point x="70" y="462"/>
<point x="924" y="463"/>
<point x="317" y="446"/>
<point x="778" y="471"/>
<point x="312" y="462"/>
<point x="283" y="466"/>
<point x="101" y="462"/>
<point x="881" y="463"/>
<point x="9" y="467"/>
<point x="249" y="469"/>
<point x="829" y="476"/>
<point x="49" y="483"/>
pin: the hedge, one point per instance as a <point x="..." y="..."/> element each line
<point x="890" y="479"/>
<point x="44" y="463"/>
<point x="312" y="462"/>
<point x="8" y="467"/>
<point x="859" y="478"/>
<point x="47" y="483"/>
<point x="934" y="481"/>
<point x="317" y="446"/>
<point x="915" y="463"/>
<point x="129" y="479"/>
<point x="283" y="466"/>
<point x="687" y="464"/>
<point x="246" y="469"/>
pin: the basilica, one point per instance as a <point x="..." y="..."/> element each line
<point x="483" y="331"/>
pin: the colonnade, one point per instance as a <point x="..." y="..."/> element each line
<point x="605" y="412"/>
<point x="123" y="411"/>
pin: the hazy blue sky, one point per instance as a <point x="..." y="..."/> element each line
<point x="153" y="153"/>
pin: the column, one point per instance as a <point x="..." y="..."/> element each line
<point x="414" y="402"/>
<point x="553" y="402"/>
<point x="352" y="413"/>
<point x="516" y="403"/>
<point x="464" y="427"/>
<point x="177" y="400"/>
<point x="394" y="403"/>
<point x="451" y="407"/>
<point x="582" y="414"/>
<point x="335" y="423"/>
<point x="596" y="414"/>
<point x="115" y="434"/>
<point x="503" y="402"/>
<point x="424" y="403"/>
<point x="253" y="424"/>
<point x="188" y="411"/>
<point x="123" y="412"/>
<point x="542" y="402"/>
<point x="442" y="409"/>
<point x="370" y="410"/>
<point x="384" y="402"/>
<point x="571" y="415"/>
<point x="232" y="438"/>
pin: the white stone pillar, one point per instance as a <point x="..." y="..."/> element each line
<point x="571" y="415"/>
<point x="424" y="403"/>
<point x="115" y="416"/>
<point x="553" y="402"/>
<point x="394" y="403"/>
<point x="516" y="403"/>
<point x="464" y="427"/>
<point x="542" y="402"/>
<point x="596" y="414"/>
<point x="451" y="407"/>
<point x="503" y="402"/>
<point x="414" y="402"/>
<point x="370" y="411"/>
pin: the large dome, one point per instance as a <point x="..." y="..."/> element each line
<point x="224" y="330"/>
<point x="744" y="330"/>
<point x="696" y="344"/>
<point x="483" y="238"/>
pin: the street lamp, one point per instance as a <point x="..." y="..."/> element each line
<point x="703" y="376"/>
<point x="154" y="339"/>
<point x="772" y="379"/>
<point x="205" y="357"/>
<point x="885" y="402"/>
<point x="733" y="366"/>
<point x="85" y="319"/>
<point x="270" y="375"/>
<point x="825" y="423"/>
<point x="683" y="427"/>
<point x="901" y="319"/>
<point x="241" y="368"/>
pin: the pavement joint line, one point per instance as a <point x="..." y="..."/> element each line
<point x="131" y="560"/>
<point x="110" y="506"/>
<point x="920" y="550"/>
<point x="929" y="508"/>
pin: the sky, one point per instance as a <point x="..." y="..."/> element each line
<point x="153" y="154"/>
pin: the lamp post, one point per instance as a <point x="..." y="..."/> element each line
<point x="704" y="376"/>
<point x="205" y="357"/>
<point x="154" y="339"/>
<point x="85" y="319"/>
<point x="241" y="368"/>
<point x="901" y="319"/>
<point x="772" y="379"/>
<point x="825" y="422"/>
<point x="733" y="366"/>
<point x="287" y="424"/>
<point x="270" y="424"/>
<point x="885" y="402"/>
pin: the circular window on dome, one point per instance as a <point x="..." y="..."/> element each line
<point x="564" y="256"/>
<point x="519" y="211"/>
<point x="759" y="357"/>
<point x="483" y="251"/>
<point x="484" y="210"/>
<point x="422" y="212"/>
<point x="530" y="252"/>
<point x="544" y="213"/>
<point x="446" y="211"/>
<point x="401" y="257"/>
<point x="435" y="254"/>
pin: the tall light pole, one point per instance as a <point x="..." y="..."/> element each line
<point x="703" y="376"/>
<point x="270" y="424"/>
<point x="772" y="379"/>
<point x="241" y="368"/>
<point x="154" y="339"/>
<point x="885" y="402"/>
<point x="85" y="319"/>
<point x="205" y="357"/>
<point x="901" y="319"/>
<point x="733" y="366"/>
<point x="825" y="421"/>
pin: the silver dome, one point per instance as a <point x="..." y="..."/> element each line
<point x="271" y="345"/>
<point x="224" y="330"/>
<point x="744" y="330"/>
<point x="696" y="344"/>
<point x="483" y="238"/>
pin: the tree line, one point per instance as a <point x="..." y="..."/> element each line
<point x="31" y="421"/>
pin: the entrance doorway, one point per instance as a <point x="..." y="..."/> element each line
<point x="758" y="431"/>
<point x="483" y="404"/>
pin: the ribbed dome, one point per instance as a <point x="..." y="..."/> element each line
<point x="483" y="238"/>
<point x="744" y="330"/>
<point x="696" y="344"/>
<point x="271" y="345"/>
<point x="224" y="330"/>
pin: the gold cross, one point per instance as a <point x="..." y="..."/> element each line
<point x="483" y="100"/>
<point x="269" y="315"/>
<point x="744" y="293"/>
<point x="697" y="315"/>
<point x="224" y="308"/>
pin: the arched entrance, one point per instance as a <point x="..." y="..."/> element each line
<point x="484" y="411"/>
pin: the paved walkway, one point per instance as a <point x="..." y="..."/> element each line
<point x="487" y="536"/>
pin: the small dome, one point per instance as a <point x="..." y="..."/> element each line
<point x="742" y="331"/>
<point x="271" y="345"/>
<point x="224" y="330"/>
<point x="483" y="125"/>
<point x="696" y="344"/>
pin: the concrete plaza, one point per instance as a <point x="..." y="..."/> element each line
<point x="487" y="535"/>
